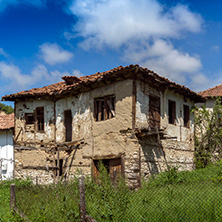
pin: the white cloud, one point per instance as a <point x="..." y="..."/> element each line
<point x="2" y="52"/>
<point x="142" y="31"/>
<point x="54" y="54"/>
<point x="164" y="59"/>
<point x="114" y="23"/>
<point x="200" y="81"/>
<point x="16" y="80"/>
<point x="36" y="3"/>
<point x="76" y="73"/>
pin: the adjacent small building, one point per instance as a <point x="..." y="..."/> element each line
<point x="6" y="146"/>
<point x="211" y="95"/>
<point x="129" y="118"/>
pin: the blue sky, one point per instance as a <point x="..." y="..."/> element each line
<point x="43" y="40"/>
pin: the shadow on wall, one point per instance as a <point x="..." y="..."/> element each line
<point x="155" y="159"/>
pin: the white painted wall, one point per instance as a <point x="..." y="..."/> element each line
<point x="7" y="154"/>
<point x="142" y="109"/>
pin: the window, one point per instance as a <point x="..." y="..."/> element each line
<point x="68" y="125"/>
<point x="154" y="112"/>
<point x="40" y="119"/>
<point x="104" y="108"/>
<point x="172" y="111"/>
<point x="186" y="115"/>
<point x="29" y="122"/>
<point x="29" y="118"/>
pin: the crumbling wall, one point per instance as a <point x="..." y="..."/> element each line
<point x="111" y="138"/>
<point x="176" y="146"/>
<point x="40" y="164"/>
<point x="29" y="134"/>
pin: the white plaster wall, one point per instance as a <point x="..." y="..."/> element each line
<point x="29" y="107"/>
<point x="80" y="107"/>
<point x="97" y="135"/>
<point x="174" y="130"/>
<point x="7" y="154"/>
<point x="209" y="103"/>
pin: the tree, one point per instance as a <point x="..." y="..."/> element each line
<point x="208" y="134"/>
<point x="7" y="109"/>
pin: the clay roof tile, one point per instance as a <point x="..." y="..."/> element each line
<point x="6" y="121"/>
<point x="214" y="91"/>
<point x="73" y="83"/>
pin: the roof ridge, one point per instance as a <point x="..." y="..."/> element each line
<point x="61" y="88"/>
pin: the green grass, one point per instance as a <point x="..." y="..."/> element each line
<point x="171" y="196"/>
<point x="5" y="213"/>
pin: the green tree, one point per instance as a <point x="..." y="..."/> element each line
<point x="7" y="109"/>
<point x="208" y="134"/>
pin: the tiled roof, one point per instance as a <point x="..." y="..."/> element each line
<point x="215" y="91"/>
<point x="75" y="85"/>
<point x="6" y="121"/>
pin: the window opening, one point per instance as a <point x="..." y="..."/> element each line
<point x="186" y="115"/>
<point x="29" y="118"/>
<point x="172" y="111"/>
<point x="104" y="108"/>
<point x="68" y="125"/>
<point x="40" y="119"/>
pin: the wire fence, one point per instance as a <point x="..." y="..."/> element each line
<point x="162" y="199"/>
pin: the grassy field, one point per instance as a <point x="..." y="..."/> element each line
<point x="5" y="213"/>
<point x="171" y="196"/>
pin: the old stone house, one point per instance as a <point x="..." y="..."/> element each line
<point x="129" y="118"/>
<point x="6" y="146"/>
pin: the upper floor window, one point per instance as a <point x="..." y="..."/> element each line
<point x="40" y="119"/>
<point x="29" y="118"/>
<point x="104" y="108"/>
<point x="172" y="111"/>
<point x="186" y="115"/>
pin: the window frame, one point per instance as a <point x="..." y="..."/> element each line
<point x="27" y="120"/>
<point x="40" y="118"/>
<point x="186" y="116"/>
<point x="104" y="108"/>
<point x="172" y="112"/>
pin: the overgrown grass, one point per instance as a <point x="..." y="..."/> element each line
<point x="5" y="212"/>
<point x="171" y="196"/>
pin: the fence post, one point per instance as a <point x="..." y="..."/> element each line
<point x="12" y="197"/>
<point x="82" y="204"/>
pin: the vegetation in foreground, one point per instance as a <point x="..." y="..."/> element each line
<point x="171" y="196"/>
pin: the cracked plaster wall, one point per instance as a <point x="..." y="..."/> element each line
<point x="112" y="137"/>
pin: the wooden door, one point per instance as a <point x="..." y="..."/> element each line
<point x="68" y="125"/>
<point x="154" y="112"/>
<point x="115" y="169"/>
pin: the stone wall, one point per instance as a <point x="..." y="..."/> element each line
<point x="111" y="138"/>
